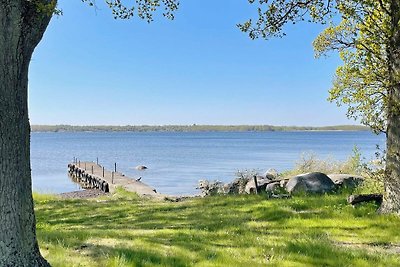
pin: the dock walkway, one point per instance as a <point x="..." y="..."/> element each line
<point x="93" y="175"/>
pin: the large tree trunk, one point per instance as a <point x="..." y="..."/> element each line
<point x="21" y="28"/>
<point x="391" y="199"/>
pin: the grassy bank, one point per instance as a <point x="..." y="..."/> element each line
<point x="123" y="230"/>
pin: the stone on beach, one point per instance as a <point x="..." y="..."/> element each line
<point x="210" y="188"/>
<point x="274" y="188"/>
<point x="236" y="187"/>
<point x="350" y="181"/>
<point x="261" y="184"/>
<point x="314" y="182"/>
<point x="271" y="174"/>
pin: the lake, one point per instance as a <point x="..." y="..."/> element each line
<point x="177" y="160"/>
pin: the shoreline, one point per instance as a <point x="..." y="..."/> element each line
<point x="194" y="128"/>
<point x="82" y="194"/>
<point x="95" y="193"/>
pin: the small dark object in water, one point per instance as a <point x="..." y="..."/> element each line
<point x="141" y="168"/>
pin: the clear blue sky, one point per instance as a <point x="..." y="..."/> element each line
<point x="90" y="69"/>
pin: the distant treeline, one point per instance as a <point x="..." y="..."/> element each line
<point x="192" y="128"/>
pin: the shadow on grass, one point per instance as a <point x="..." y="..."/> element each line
<point x="316" y="252"/>
<point x="231" y="230"/>
<point x="137" y="257"/>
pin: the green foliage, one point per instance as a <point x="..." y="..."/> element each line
<point x="216" y="231"/>
<point x="274" y="15"/>
<point x="46" y="7"/>
<point x="310" y="162"/>
<point x="362" y="83"/>
<point x="144" y="9"/>
<point x="374" y="173"/>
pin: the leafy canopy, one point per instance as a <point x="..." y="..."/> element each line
<point x="121" y="9"/>
<point x="143" y="8"/>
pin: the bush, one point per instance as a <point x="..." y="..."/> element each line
<point x="310" y="162"/>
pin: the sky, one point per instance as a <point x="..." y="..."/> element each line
<point x="90" y="69"/>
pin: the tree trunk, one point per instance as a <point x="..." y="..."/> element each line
<point x="21" y="28"/>
<point x="391" y="199"/>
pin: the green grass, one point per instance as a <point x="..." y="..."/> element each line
<point x="124" y="230"/>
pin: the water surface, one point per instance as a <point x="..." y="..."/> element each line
<point x="177" y="160"/>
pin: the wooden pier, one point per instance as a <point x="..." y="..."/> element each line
<point x="93" y="175"/>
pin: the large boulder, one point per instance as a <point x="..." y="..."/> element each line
<point x="271" y="174"/>
<point x="261" y="182"/>
<point x="314" y="182"/>
<point x="346" y="180"/>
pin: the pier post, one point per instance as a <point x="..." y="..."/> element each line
<point x="255" y="183"/>
<point x="103" y="171"/>
<point x="92" y="170"/>
<point x="112" y="177"/>
<point x="115" y="167"/>
<point x="97" y="160"/>
<point x="79" y="164"/>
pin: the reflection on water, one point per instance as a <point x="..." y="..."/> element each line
<point x="75" y="180"/>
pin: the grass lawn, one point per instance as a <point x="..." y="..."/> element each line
<point x="124" y="230"/>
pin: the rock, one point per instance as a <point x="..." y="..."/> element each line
<point x="356" y="199"/>
<point x="314" y="182"/>
<point x="261" y="182"/>
<point x="284" y="182"/>
<point x="346" y="180"/>
<point x="274" y="188"/>
<point x="90" y="193"/>
<point x="141" y="168"/>
<point x="271" y="174"/>
<point x="210" y="188"/>
<point x="280" y="196"/>
<point x="179" y="198"/>
<point x="202" y="184"/>
<point x="236" y="187"/>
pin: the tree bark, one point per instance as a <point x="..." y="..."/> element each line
<point x="391" y="198"/>
<point x="21" y="28"/>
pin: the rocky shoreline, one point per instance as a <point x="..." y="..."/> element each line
<point x="84" y="194"/>
<point x="275" y="185"/>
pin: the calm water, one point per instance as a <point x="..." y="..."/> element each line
<point x="177" y="161"/>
